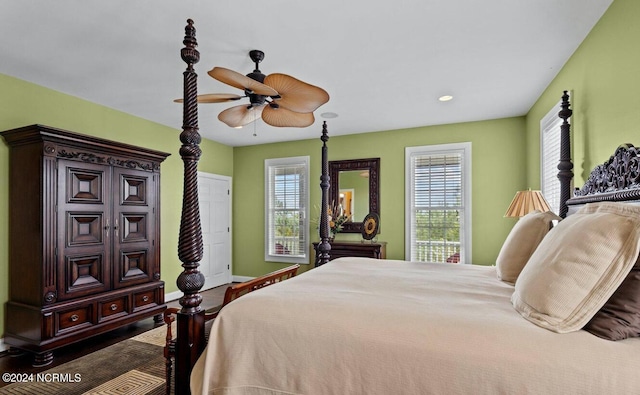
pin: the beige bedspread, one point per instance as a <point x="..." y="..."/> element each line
<point x="365" y="326"/>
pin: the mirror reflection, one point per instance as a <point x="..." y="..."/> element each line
<point x="354" y="193"/>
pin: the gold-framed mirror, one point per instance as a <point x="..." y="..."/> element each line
<point x="355" y="187"/>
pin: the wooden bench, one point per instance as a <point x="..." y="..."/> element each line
<point x="232" y="293"/>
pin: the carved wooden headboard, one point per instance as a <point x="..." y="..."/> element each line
<point x="617" y="179"/>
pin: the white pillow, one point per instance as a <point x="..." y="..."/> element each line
<point x="578" y="266"/>
<point x="522" y="241"/>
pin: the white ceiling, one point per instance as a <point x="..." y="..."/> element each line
<point x="384" y="63"/>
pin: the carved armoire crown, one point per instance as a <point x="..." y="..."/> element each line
<point x="84" y="235"/>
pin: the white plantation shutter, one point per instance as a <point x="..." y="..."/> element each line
<point x="287" y="209"/>
<point x="438" y="203"/>
<point x="549" y="157"/>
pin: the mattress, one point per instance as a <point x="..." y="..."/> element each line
<point x="369" y="326"/>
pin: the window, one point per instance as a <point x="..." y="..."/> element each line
<point x="287" y="209"/>
<point x="438" y="203"/>
<point x="550" y="156"/>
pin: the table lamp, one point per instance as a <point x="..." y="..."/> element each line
<point x="525" y="202"/>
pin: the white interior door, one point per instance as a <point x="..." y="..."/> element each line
<point x="214" y="194"/>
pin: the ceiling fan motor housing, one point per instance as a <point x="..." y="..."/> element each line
<point x="256" y="100"/>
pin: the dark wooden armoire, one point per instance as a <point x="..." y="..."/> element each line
<point x="84" y="238"/>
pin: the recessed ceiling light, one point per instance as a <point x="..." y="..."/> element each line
<point x="445" y="98"/>
<point x="329" y="115"/>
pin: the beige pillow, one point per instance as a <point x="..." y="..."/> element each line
<point x="523" y="239"/>
<point x="578" y="266"/>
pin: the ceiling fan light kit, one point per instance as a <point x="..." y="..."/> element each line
<point x="278" y="99"/>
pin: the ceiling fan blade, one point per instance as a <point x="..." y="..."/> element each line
<point x="282" y="117"/>
<point x="218" y="97"/>
<point x="239" y="116"/>
<point x="240" y="81"/>
<point x="214" y="98"/>
<point x="296" y="95"/>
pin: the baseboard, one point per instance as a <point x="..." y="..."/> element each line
<point x="171" y="296"/>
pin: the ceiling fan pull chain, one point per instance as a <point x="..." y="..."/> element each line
<point x="255" y="126"/>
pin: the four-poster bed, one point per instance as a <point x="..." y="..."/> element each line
<point x="190" y="330"/>
<point x="360" y="325"/>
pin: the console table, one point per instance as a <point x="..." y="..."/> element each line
<point x="364" y="249"/>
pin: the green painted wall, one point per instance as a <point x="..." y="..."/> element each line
<point x="604" y="79"/>
<point x="23" y="103"/>
<point x="498" y="161"/>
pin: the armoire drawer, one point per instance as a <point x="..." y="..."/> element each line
<point x="72" y="319"/>
<point x="113" y="308"/>
<point x="145" y="299"/>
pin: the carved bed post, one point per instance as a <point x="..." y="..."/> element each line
<point x="565" y="166"/>
<point x="190" y="341"/>
<point x="324" y="247"/>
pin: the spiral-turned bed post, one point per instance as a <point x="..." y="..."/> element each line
<point x="565" y="167"/>
<point x="324" y="247"/>
<point x="190" y="341"/>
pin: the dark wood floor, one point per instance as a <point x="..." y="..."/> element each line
<point x="22" y="363"/>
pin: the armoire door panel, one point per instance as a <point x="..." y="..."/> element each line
<point x="85" y="228"/>
<point x="133" y="189"/>
<point x="134" y="266"/>
<point x="84" y="275"/>
<point x="134" y="227"/>
<point x="84" y="185"/>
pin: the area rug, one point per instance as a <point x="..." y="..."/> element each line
<point x="135" y="366"/>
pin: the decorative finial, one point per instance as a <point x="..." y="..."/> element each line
<point x="325" y="133"/>
<point x="565" y="112"/>
<point x="189" y="53"/>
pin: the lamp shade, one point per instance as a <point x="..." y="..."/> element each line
<point x="525" y="202"/>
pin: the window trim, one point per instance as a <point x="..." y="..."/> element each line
<point x="551" y="122"/>
<point x="304" y="228"/>
<point x="466" y="228"/>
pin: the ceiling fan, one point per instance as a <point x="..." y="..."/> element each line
<point x="279" y="99"/>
